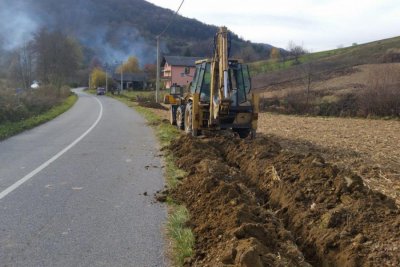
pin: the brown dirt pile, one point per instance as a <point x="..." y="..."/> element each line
<point x="252" y="204"/>
<point x="153" y="105"/>
<point x="148" y="102"/>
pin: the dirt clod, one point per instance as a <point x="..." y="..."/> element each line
<point x="161" y="196"/>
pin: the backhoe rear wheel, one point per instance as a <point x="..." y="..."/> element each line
<point x="180" y="113"/>
<point x="246" y="133"/>
<point x="189" y="120"/>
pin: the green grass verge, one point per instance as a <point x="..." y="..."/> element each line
<point x="11" y="128"/>
<point x="181" y="236"/>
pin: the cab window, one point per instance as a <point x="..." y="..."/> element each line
<point x="195" y="79"/>
<point x="246" y="78"/>
<point x="205" y="86"/>
<point x="200" y="77"/>
<point x="237" y="84"/>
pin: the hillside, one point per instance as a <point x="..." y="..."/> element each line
<point x="268" y="72"/>
<point x="342" y="82"/>
<point x="112" y="30"/>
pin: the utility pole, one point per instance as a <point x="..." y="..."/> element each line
<point x="122" y="78"/>
<point x="158" y="50"/>
<point x="158" y="68"/>
<point x="106" y="81"/>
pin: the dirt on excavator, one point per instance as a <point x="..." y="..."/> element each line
<point x="253" y="204"/>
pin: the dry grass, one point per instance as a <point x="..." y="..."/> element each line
<point x="349" y="82"/>
<point x="366" y="90"/>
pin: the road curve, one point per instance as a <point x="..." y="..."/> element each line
<point x="77" y="191"/>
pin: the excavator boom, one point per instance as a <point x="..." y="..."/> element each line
<point x="219" y="77"/>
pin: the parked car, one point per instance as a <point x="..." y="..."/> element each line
<point x="101" y="91"/>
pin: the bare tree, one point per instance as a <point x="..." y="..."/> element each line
<point x="58" y="57"/>
<point x="21" y="67"/>
<point x="296" y="51"/>
<point x="308" y="78"/>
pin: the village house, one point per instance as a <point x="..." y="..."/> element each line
<point x="178" y="70"/>
<point x="136" y="81"/>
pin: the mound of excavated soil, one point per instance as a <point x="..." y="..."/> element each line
<point x="148" y="104"/>
<point x="252" y="204"/>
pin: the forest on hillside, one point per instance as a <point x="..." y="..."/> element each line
<point x="113" y="30"/>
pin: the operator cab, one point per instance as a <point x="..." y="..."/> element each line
<point x="239" y="84"/>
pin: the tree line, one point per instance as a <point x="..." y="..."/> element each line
<point x="101" y="74"/>
<point x="51" y="57"/>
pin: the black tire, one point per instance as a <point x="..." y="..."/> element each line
<point x="252" y="134"/>
<point x="196" y="132"/>
<point x="172" y="115"/>
<point x="246" y="133"/>
<point x="180" y="117"/>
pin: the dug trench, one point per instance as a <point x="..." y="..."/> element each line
<point x="254" y="204"/>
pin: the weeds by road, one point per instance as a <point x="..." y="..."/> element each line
<point x="8" y="129"/>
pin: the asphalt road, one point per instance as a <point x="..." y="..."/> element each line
<point x="72" y="191"/>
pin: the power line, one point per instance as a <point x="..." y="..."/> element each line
<point x="172" y="19"/>
<point x="158" y="50"/>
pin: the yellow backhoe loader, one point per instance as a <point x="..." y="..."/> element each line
<point x="219" y="96"/>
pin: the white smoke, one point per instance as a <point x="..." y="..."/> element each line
<point x="16" y="26"/>
<point x="20" y="19"/>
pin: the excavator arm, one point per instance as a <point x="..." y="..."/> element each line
<point x="219" y="93"/>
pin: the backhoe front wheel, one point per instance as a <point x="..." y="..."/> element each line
<point x="189" y="120"/>
<point x="180" y="113"/>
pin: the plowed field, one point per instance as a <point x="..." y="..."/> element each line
<point x="307" y="192"/>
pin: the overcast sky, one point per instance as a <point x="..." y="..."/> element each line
<point x="316" y="24"/>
